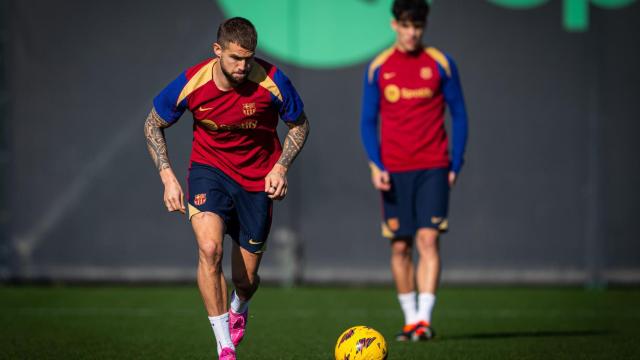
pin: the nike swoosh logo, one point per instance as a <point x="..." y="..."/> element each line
<point x="253" y="242"/>
<point x="204" y="109"/>
<point x="388" y="76"/>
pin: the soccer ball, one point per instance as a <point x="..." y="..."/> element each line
<point x="361" y="343"/>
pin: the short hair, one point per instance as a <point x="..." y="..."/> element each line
<point x="410" y="10"/>
<point x="240" y="31"/>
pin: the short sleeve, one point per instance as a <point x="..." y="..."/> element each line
<point x="166" y="102"/>
<point x="290" y="106"/>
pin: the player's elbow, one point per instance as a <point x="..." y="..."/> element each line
<point x="306" y="127"/>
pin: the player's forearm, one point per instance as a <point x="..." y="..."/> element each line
<point x="156" y="142"/>
<point x="167" y="176"/>
<point x="369" y="136"/>
<point x="293" y="143"/>
<point x="460" y="130"/>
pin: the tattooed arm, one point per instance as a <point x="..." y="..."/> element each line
<point x="296" y="137"/>
<point x="276" y="181"/>
<point x="157" y="145"/>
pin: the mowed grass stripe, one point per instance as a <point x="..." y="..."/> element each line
<point x="303" y="323"/>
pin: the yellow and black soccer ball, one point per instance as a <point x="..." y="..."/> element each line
<point x="361" y="343"/>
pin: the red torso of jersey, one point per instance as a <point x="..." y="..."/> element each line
<point x="412" y="110"/>
<point x="235" y="130"/>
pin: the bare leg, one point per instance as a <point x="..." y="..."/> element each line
<point x="402" y="265"/>
<point x="209" y="230"/>
<point x="244" y="272"/>
<point x="428" y="272"/>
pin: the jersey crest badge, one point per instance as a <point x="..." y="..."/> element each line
<point x="200" y="199"/>
<point x="394" y="224"/>
<point x="426" y="73"/>
<point x="249" y="109"/>
<point x="392" y="93"/>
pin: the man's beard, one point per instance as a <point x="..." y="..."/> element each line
<point x="229" y="76"/>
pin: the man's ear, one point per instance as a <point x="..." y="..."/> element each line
<point x="217" y="49"/>
<point x="394" y="24"/>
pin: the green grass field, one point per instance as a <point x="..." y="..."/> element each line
<point x="303" y="323"/>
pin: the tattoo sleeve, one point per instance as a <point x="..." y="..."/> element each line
<point x="296" y="137"/>
<point x="156" y="144"/>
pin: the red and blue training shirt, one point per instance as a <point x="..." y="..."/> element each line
<point x="409" y="92"/>
<point x="235" y="130"/>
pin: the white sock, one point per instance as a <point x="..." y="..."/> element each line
<point x="238" y="305"/>
<point x="408" y="305"/>
<point x="426" y="301"/>
<point x="220" y="325"/>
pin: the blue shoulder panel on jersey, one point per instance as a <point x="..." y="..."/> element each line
<point x="369" y="116"/>
<point x="290" y="107"/>
<point x="452" y="91"/>
<point x="166" y="102"/>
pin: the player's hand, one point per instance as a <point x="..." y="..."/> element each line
<point x="275" y="183"/>
<point x="452" y="178"/>
<point x="173" y="195"/>
<point x="380" y="179"/>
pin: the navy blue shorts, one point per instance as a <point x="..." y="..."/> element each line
<point x="246" y="214"/>
<point x="417" y="199"/>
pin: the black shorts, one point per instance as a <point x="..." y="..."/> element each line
<point x="246" y="214"/>
<point x="417" y="199"/>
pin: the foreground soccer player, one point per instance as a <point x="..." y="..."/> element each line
<point x="237" y="165"/>
<point x="408" y="86"/>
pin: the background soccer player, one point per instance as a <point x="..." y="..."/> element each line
<point x="408" y="86"/>
<point x="237" y="165"/>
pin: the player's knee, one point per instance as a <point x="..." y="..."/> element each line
<point x="427" y="240"/>
<point x="401" y="249"/>
<point x="211" y="253"/>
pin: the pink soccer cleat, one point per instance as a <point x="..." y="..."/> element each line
<point x="227" y="354"/>
<point x="237" y="325"/>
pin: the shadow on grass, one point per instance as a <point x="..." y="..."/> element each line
<point x="525" y="334"/>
